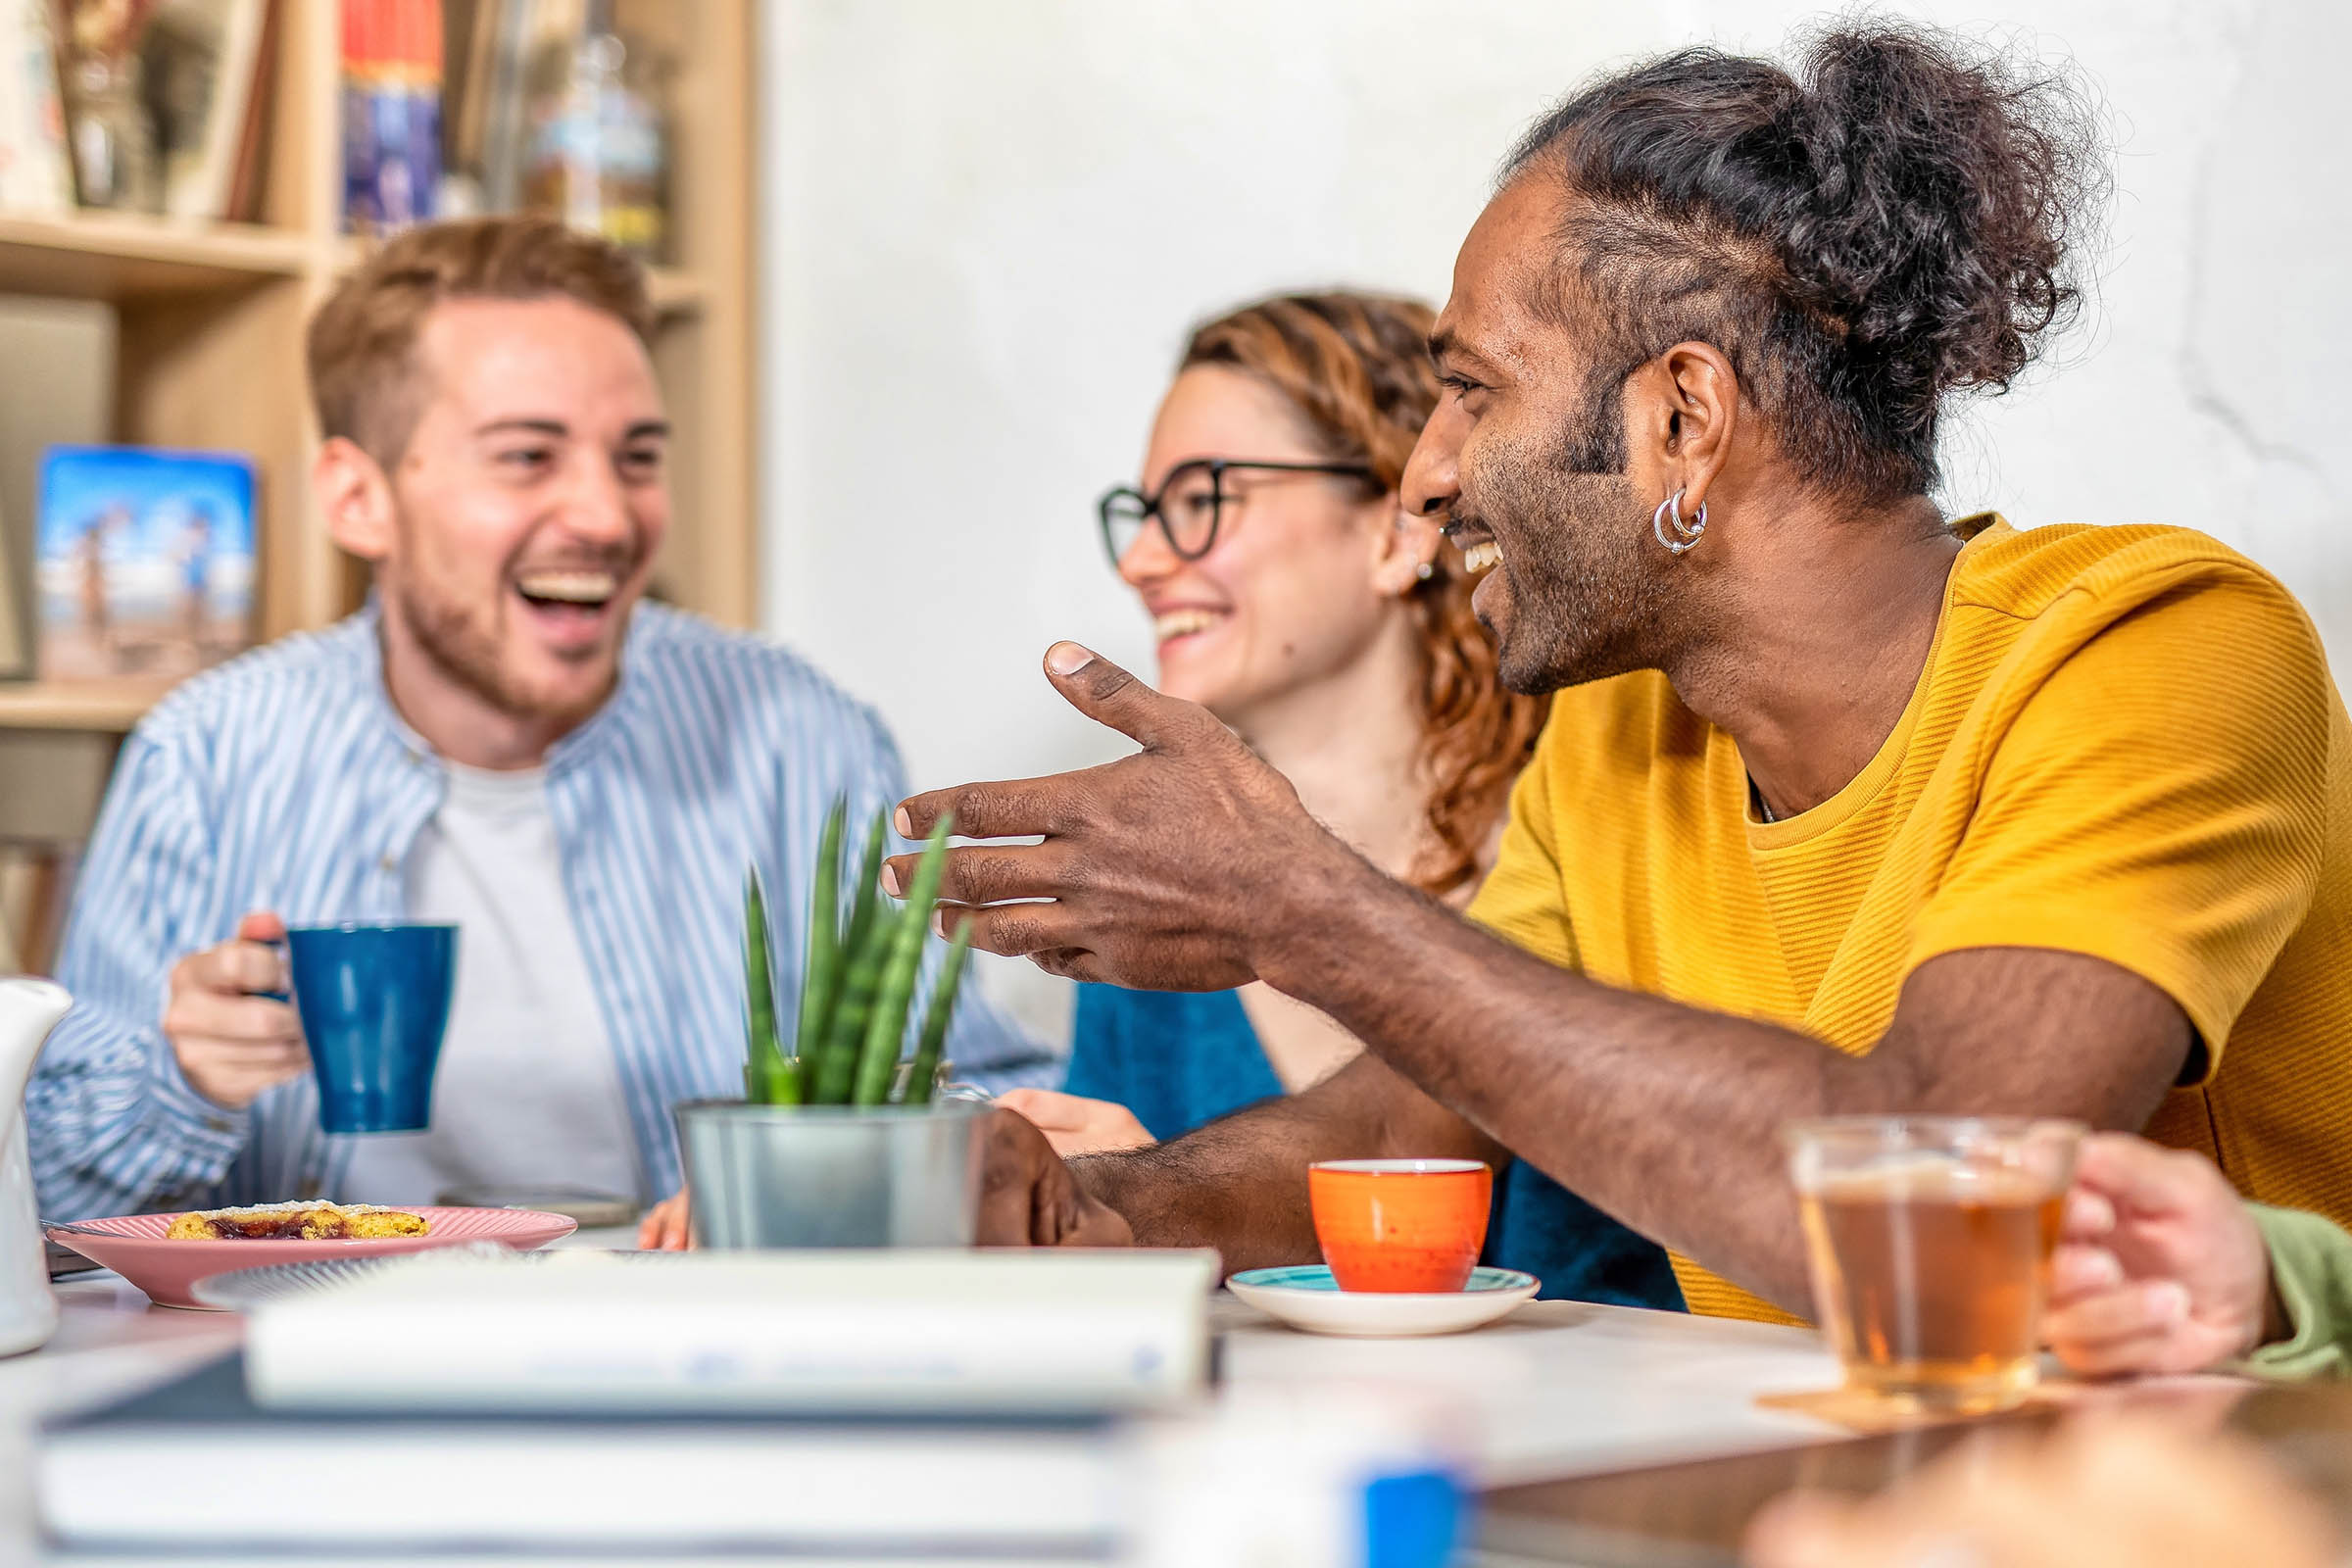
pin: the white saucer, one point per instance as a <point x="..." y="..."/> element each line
<point x="1307" y="1298"/>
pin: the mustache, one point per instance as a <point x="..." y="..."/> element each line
<point x="1461" y="519"/>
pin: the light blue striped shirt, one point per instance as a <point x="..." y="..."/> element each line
<point x="284" y="781"/>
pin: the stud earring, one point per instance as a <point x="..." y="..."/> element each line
<point x="1425" y="571"/>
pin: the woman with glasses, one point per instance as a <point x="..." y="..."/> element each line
<point x="1293" y="598"/>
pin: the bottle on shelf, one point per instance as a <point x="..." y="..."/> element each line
<point x="113" y="143"/>
<point x="596" y="144"/>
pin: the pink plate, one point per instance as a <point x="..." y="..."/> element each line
<point x="134" y="1246"/>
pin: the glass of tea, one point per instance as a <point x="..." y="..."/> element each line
<point x="1929" y="1240"/>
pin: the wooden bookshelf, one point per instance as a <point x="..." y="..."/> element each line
<point x="211" y="320"/>
<point x="101" y="255"/>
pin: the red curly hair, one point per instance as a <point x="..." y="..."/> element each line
<point x="1357" y="367"/>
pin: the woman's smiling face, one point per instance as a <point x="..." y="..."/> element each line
<point x="1304" y="568"/>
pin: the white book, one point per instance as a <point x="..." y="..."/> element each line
<point x="214" y="46"/>
<point x="196" y="1465"/>
<point x="34" y="176"/>
<point x="970" y="1332"/>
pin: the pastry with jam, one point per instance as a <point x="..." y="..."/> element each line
<point x="305" y="1220"/>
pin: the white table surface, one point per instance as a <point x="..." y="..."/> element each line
<point x="1558" y="1387"/>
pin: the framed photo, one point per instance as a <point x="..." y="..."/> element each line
<point x="145" y="561"/>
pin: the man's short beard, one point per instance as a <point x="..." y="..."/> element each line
<point x="452" y="645"/>
<point x="1592" y="605"/>
<point x="1585" y="604"/>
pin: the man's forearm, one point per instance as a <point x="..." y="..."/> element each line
<point x="1663" y="1115"/>
<point x="108" y="1136"/>
<point x="1239" y="1184"/>
<point x="1669" y="1116"/>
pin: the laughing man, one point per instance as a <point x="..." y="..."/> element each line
<point x="504" y="738"/>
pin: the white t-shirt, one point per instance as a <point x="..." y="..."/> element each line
<point x="527" y="1092"/>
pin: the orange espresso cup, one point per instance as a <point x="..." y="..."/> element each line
<point x="1400" y="1225"/>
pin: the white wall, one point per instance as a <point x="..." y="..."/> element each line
<point x="988" y="225"/>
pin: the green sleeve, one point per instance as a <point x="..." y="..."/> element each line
<point x="2310" y="1262"/>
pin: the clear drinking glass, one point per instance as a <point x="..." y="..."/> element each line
<point x="1929" y="1240"/>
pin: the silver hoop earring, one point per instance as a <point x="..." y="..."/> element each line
<point x="1687" y="531"/>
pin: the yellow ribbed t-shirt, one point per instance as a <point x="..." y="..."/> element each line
<point x="2125" y="743"/>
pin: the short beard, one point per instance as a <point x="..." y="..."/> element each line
<point x="1588" y="604"/>
<point x="461" y="651"/>
<point x="466" y="651"/>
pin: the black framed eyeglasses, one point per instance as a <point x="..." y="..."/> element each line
<point x="1192" y="502"/>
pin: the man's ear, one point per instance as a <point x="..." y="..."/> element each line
<point x="355" y="497"/>
<point x="1402" y="543"/>
<point x="1698" y="413"/>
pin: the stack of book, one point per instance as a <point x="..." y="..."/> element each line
<point x="391" y="113"/>
<point x="892" y="1402"/>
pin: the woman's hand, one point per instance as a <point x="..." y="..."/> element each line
<point x="665" y="1228"/>
<point x="2159" y="1268"/>
<point x="1076" y="1125"/>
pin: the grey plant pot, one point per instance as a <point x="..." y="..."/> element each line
<point x="787" y="1176"/>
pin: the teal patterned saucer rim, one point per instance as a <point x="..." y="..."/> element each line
<point x="1317" y="1277"/>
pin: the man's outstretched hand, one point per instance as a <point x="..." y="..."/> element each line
<point x="1028" y="1197"/>
<point x="1168" y="870"/>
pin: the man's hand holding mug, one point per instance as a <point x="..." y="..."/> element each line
<point x="231" y="1025"/>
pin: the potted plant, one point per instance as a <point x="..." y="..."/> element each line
<point x="843" y="1141"/>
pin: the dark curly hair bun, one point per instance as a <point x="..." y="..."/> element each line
<point x="1891" y="223"/>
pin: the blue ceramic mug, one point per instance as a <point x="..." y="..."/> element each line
<point x="375" y="999"/>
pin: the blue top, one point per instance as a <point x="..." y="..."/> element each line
<point x="285" y="781"/>
<point x="1178" y="1061"/>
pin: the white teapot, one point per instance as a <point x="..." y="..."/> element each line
<point x="28" y="1009"/>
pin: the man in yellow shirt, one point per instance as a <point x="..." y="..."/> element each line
<point x="1843" y="807"/>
